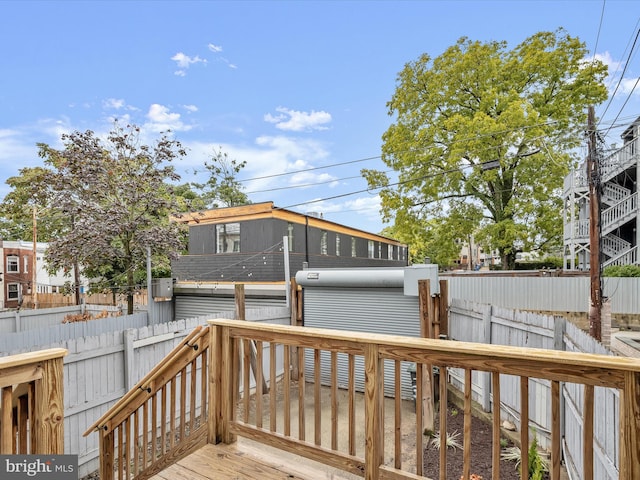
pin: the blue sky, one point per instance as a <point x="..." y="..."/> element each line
<point x="292" y="86"/>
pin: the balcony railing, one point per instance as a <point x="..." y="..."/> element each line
<point x="32" y="407"/>
<point x="231" y="340"/>
<point x="211" y="388"/>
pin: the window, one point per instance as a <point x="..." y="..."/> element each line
<point x="354" y="251"/>
<point x="390" y="252"/>
<point x="323" y="242"/>
<point x="337" y="245"/>
<point x="26" y="264"/>
<point x="379" y="250"/>
<point x="12" y="291"/>
<point x="371" y="249"/>
<point x="12" y="264"/>
<point x="228" y="237"/>
<point x="290" y="236"/>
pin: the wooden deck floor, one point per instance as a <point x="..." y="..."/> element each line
<point x="247" y="460"/>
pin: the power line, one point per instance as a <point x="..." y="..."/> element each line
<point x="306" y="185"/>
<point x="413" y="150"/>
<point x="310" y="169"/>
<point x="620" y="82"/>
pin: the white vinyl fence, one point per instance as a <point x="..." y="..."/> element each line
<point x="473" y="322"/>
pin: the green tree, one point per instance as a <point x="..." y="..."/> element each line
<point x="117" y="196"/>
<point x="222" y="189"/>
<point x="18" y="205"/>
<point x="488" y="134"/>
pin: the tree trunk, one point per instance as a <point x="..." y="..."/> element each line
<point x="130" y="292"/>
<point x="508" y="260"/>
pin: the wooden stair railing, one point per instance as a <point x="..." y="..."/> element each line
<point x="31" y="405"/>
<point x="157" y="422"/>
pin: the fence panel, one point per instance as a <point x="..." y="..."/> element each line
<point x="510" y="327"/>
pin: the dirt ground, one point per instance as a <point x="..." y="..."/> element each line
<point x="481" y="450"/>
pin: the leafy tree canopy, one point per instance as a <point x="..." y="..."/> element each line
<point x="222" y="189"/>
<point x="18" y="206"/>
<point x="116" y="197"/>
<point x="483" y="138"/>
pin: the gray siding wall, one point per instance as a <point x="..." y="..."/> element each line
<point x="202" y="240"/>
<point x="261" y="257"/>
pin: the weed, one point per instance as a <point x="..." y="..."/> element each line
<point x="537" y="465"/>
<point x="451" y="441"/>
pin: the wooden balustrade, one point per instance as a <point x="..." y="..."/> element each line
<point x="296" y="404"/>
<point x="367" y="448"/>
<point x="162" y="419"/>
<point x="32" y="407"/>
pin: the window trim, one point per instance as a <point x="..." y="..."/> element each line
<point x="223" y="238"/>
<point x="13" y="260"/>
<point x="17" y="291"/>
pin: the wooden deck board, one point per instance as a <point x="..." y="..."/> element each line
<point x="246" y="460"/>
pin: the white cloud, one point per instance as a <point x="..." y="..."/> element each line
<point x="190" y="108"/>
<point x="161" y="119"/>
<point x="215" y="48"/>
<point x="628" y="85"/>
<point x="606" y="58"/>
<point x="113" y="103"/>
<point x="184" y="62"/>
<point x="117" y="104"/>
<point x="295" y="121"/>
<point x="121" y="119"/>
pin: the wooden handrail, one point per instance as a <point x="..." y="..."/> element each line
<point x="227" y="336"/>
<point x="142" y="385"/>
<point x="155" y="423"/>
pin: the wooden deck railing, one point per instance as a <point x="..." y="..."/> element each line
<point x="266" y="418"/>
<point x="162" y="419"/>
<point x="32" y="407"/>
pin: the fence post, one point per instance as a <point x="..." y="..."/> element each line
<point x="18" y="322"/>
<point x="373" y="407"/>
<point x="559" y="324"/>
<point x="486" y="376"/>
<point x="129" y="362"/>
<point x="444" y="307"/>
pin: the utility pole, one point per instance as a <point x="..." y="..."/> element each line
<point x="34" y="283"/>
<point x="593" y="174"/>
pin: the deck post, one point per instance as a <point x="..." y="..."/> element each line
<point x="630" y="427"/>
<point x="373" y="407"/>
<point x="49" y="408"/>
<point x="228" y="385"/>
<point x="215" y="387"/>
<point x="106" y="455"/>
